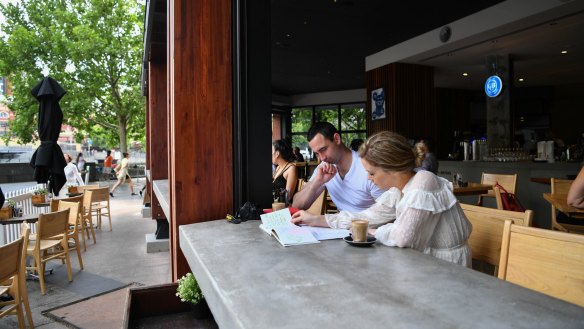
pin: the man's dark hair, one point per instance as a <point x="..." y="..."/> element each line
<point x="324" y="128"/>
<point x="109" y="152"/>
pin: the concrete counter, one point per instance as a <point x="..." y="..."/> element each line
<point x="250" y="281"/>
<point x="162" y="191"/>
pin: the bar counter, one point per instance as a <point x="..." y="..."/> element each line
<point x="250" y="281"/>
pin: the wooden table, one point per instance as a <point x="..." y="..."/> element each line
<point x="560" y="201"/>
<point x="29" y="218"/>
<point x="250" y="281"/>
<point x="472" y="189"/>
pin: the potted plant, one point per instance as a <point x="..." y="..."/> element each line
<point x="8" y="210"/>
<point x="16" y="209"/>
<point x="189" y="291"/>
<point x="39" y="195"/>
<point x="72" y="188"/>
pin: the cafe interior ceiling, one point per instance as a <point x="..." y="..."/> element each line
<point x="547" y="54"/>
<point x="321" y="45"/>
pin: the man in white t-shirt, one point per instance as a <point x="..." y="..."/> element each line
<point x="340" y="171"/>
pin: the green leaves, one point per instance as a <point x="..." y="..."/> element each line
<point x="93" y="48"/>
<point x="188" y="289"/>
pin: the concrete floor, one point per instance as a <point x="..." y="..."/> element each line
<point x="117" y="259"/>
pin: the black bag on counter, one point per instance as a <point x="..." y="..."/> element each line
<point x="249" y="211"/>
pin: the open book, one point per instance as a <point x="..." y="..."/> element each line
<point x="279" y="225"/>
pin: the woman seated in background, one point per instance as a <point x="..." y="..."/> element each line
<point x="428" y="216"/>
<point x="429" y="162"/>
<point x="285" y="176"/>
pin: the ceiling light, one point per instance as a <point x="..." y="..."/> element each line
<point x="465" y="74"/>
<point x="288" y="35"/>
<point x="564" y="51"/>
<point x="521" y="79"/>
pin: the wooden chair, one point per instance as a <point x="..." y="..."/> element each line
<point x="561" y="187"/>
<point x="83" y="188"/>
<point x="12" y="273"/>
<point x="318" y="207"/>
<point x="509" y="182"/>
<point x="544" y="260"/>
<point x="487" y="231"/>
<point x="101" y="205"/>
<point x="87" y="214"/>
<point x="46" y="247"/>
<point x="74" y="224"/>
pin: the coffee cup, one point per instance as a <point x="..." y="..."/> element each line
<point x="278" y="206"/>
<point x="359" y="228"/>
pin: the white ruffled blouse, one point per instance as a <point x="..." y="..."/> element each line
<point x="429" y="219"/>
<point x="380" y="213"/>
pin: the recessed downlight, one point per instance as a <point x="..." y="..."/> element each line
<point x="521" y="79"/>
<point x="465" y="74"/>
<point x="564" y="52"/>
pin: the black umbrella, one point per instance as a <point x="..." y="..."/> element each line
<point x="48" y="159"/>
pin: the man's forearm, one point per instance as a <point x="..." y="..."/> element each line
<point x="305" y="197"/>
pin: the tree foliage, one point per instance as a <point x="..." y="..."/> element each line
<point x="92" y="48"/>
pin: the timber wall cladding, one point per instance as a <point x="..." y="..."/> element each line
<point x="201" y="171"/>
<point x="158" y="121"/>
<point x="410" y="100"/>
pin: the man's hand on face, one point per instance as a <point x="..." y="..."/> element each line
<point x="325" y="173"/>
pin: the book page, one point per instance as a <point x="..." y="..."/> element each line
<point x="292" y="235"/>
<point x="280" y="218"/>
<point x="326" y="233"/>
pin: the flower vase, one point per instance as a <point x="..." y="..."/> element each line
<point x="6" y="213"/>
<point x="38" y="198"/>
<point x="201" y="310"/>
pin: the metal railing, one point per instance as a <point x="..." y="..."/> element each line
<point x="23" y="200"/>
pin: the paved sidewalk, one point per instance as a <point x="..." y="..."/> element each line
<point x="117" y="259"/>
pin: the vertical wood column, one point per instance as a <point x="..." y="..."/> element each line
<point x="410" y="100"/>
<point x="200" y="107"/>
<point x="157" y="102"/>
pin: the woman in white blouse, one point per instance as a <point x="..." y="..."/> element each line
<point x="71" y="173"/>
<point x="427" y="215"/>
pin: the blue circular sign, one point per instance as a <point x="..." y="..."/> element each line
<point x="493" y="86"/>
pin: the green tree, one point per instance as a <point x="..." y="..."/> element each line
<point x="93" y="48"/>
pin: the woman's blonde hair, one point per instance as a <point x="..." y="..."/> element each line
<point x="390" y="151"/>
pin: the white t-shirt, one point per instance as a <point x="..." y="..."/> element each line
<point x="354" y="193"/>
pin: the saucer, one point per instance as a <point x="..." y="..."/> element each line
<point x="370" y="240"/>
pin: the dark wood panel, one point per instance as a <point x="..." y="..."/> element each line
<point x="410" y="100"/>
<point x="201" y="179"/>
<point x="157" y="118"/>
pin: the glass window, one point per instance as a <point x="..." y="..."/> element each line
<point x="328" y="114"/>
<point x="301" y="119"/>
<point x="353" y="117"/>
<point x="348" y="118"/>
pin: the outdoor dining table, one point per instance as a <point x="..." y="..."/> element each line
<point x="29" y="218"/>
<point x="472" y="189"/>
<point x="560" y="201"/>
<point x="250" y="281"/>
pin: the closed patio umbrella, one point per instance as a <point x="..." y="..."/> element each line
<point x="48" y="160"/>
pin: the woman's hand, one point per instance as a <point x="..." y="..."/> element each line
<point x="304" y="217"/>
